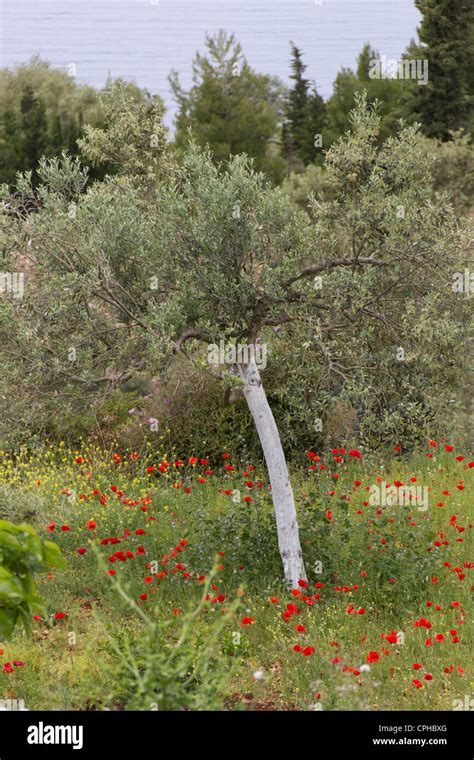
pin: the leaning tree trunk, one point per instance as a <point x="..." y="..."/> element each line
<point x="282" y="492"/>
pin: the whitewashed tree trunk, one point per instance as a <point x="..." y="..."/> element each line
<point x="282" y="492"/>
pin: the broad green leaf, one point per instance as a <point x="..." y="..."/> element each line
<point x="10" y="541"/>
<point x="8" y="619"/>
<point x="11" y="590"/>
<point x="8" y="526"/>
<point x="52" y="555"/>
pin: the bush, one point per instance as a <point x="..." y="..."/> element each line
<point x="22" y="556"/>
<point x="453" y="170"/>
<point x="165" y="669"/>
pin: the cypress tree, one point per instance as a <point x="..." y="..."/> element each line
<point x="34" y="129"/>
<point x="9" y="146"/>
<point x="304" y="116"/>
<point x="297" y="102"/>
<point x="447" y="35"/>
<point x="311" y="150"/>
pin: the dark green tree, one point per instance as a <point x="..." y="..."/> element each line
<point x="339" y="105"/>
<point x="44" y="110"/>
<point x="230" y="107"/>
<point x="304" y="116"/>
<point x="446" y="102"/>
<point x="313" y="138"/>
<point x="294" y="124"/>
<point x="56" y="140"/>
<point x="34" y="129"/>
<point x="386" y="91"/>
<point x="10" y="149"/>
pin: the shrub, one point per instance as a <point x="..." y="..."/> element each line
<point x="22" y="556"/>
<point x="165" y="669"/>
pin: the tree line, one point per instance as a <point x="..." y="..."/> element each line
<point x="232" y="109"/>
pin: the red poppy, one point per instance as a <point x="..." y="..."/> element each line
<point x="373" y="657"/>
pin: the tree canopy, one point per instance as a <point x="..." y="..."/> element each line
<point x="128" y="272"/>
<point x="446" y="103"/>
<point x="230" y="107"/>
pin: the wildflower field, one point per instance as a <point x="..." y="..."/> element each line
<point x="172" y="595"/>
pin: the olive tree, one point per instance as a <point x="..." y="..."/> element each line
<point x="214" y="257"/>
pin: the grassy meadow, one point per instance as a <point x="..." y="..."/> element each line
<point x="172" y="597"/>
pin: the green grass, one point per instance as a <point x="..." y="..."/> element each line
<point x="175" y="649"/>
